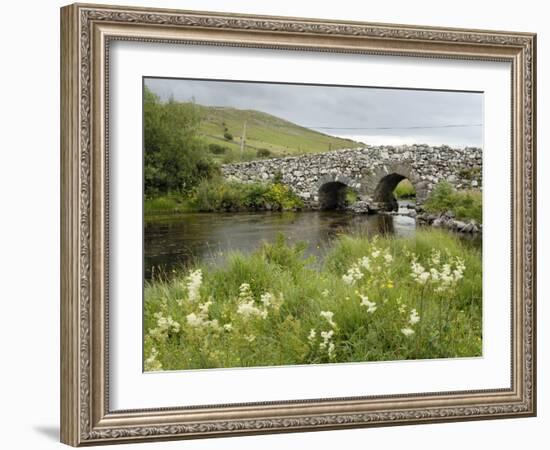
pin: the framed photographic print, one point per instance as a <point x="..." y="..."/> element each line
<point x="275" y="224"/>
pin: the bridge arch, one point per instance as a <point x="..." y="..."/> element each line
<point x="331" y="190"/>
<point x="383" y="182"/>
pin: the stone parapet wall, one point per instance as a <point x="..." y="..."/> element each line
<point x="362" y="169"/>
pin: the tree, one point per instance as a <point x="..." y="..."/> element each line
<point x="175" y="158"/>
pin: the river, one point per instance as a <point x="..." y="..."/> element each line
<point x="172" y="242"/>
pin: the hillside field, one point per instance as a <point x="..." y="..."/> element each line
<point x="266" y="135"/>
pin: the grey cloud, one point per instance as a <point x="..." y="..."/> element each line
<point x="357" y="112"/>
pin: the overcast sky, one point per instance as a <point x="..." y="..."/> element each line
<point x="360" y="113"/>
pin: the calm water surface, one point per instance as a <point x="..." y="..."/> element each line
<point x="177" y="241"/>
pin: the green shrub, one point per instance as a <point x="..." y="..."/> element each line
<point x="464" y="204"/>
<point x="175" y="158"/>
<point x="263" y="153"/>
<point x="280" y="196"/>
<point x="227" y="135"/>
<point x="217" y="149"/>
<point x="220" y="195"/>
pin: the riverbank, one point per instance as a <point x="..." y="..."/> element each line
<point x="226" y="196"/>
<point x="373" y="299"/>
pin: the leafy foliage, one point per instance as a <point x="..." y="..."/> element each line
<point x="464" y="204"/>
<point x="217" y="149"/>
<point x="351" y="196"/>
<point x="175" y="157"/>
<point x="218" y="195"/>
<point x="263" y="153"/>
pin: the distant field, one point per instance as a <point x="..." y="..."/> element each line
<point x="266" y="135"/>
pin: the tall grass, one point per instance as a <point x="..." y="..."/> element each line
<point x="168" y="203"/>
<point x="464" y="204"/>
<point x="273" y="308"/>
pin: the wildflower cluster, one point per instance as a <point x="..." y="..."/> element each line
<point x="201" y="319"/>
<point x="329" y="315"/>
<point x="325" y="342"/>
<point x="442" y="276"/>
<point x="353" y="274"/>
<point x="372" y="263"/>
<point x="151" y="363"/>
<point x="165" y="326"/>
<point x="370" y="300"/>
<point x="193" y="284"/>
<point x="371" y="306"/>
<point x="247" y="305"/>
<point x="414" y="318"/>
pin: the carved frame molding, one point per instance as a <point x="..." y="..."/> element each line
<point x="86" y="32"/>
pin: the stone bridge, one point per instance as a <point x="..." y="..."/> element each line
<point x="322" y="179"/>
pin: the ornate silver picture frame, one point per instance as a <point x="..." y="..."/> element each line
<point x="87" y="34"/>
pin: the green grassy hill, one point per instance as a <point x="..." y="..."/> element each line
<point x="267" y="136"/>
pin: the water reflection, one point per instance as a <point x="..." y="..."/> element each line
<point x="191" y="238"/>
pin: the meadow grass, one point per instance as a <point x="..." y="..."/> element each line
<point x="264" y="131"/>
<point x="373" y="299"/>
<point x="170" y="203"/>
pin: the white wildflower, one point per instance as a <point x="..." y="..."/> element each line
<point x="347" y="279"/>
<point x="248" y="309"/>
<point x="194" y="320"/>
<point x="194" y="282"/>
<point x="330" y="350"/>
<point x="228" y="327"/>
<point x="266" y="299"/>
<point x="388" y="257"/>
<point x="375" y="253"/>
<point x="204" y="307"/>
<point x="326" y="336"/>
<point x="165" y="326"/>
<point x="460" y="267"/>
<point x="312" y="336"/>
<point x="201" y="321"/>
<point x="423" y="277"/>
<point x="371" y="306"/>
<point x="434" y="274"/>
<point x="364" y="262"/>
<point x="244" y="292"/>
<point x="152" y="364"/>
<point x="329" y="315"/>
<point x="407" y="331"/>
<point x="354" y="274"/>
<point x="414" y="317"/>
<point x="418" y="273"/>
